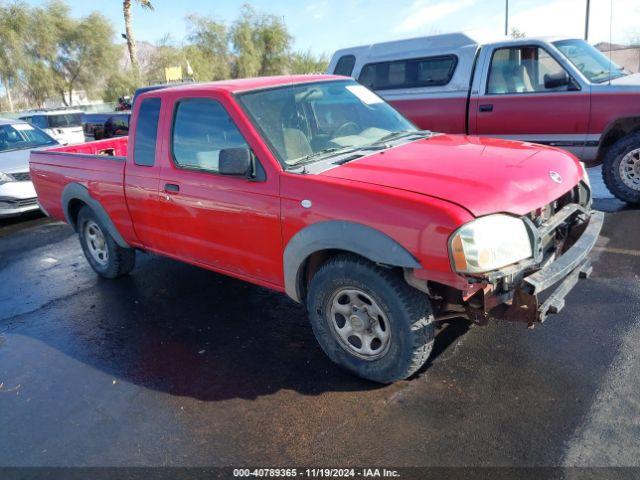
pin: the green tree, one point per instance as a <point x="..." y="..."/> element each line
<point x="307" y="62"/>
<point x="165" y="55"/>
<point x="248" y="55"/>
<point x="261" y="44"/>
<point x="208" y="51"/>
<point x="14" y="26"/>
<point x="275" y="42"/>
<point x="85" y="55"/>
<point x="41" y="45"/>
<point x="38" y="83"/>
<point x="128" y="26"/>
<point x="119" y="84"/>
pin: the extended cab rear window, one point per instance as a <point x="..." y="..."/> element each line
<point x="409" y="73"/>
<point x="144" y="150"/>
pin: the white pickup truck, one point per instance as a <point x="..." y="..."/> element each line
<point x="559" y="91"/>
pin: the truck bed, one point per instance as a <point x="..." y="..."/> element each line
<point x="110" y="147"/>
<point x="98" y="166"/>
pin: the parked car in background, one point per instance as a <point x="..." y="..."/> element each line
<point x="314" y="186"/>
<point x="17" y="139"/>
<point x="93" y="125"/>
<point x="105" y="125"/>
<point x="117" y="125"/>
<point x="560" y="92"/>
<point x="63" y="125"/>
<point x="124" y="104"/>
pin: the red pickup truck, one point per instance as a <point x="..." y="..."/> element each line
<point x="553" y="91"/>
<point x="314" y="186"/>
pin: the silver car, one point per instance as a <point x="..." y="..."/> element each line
<point x="17" y="139"/>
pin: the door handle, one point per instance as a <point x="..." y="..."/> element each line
<point x="171" y="188"/>
<point x="487" y="107"/>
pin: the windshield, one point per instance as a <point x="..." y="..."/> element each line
<point x="591" y="62"/>
<point x="302" y="122"/>
<point x="64" y="120"/>
<point x="22" y="135"/>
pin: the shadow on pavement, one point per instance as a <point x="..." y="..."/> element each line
<point x="182" y="330"/>
<point x="21" y="222"/>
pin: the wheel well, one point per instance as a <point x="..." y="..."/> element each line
<point x="620" y="129"/>
<point x="314" y="261"/>
<point x="73" y="209"/>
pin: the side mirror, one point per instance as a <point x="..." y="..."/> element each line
<point x="555" y="80"/>
<point x="234" y="161"/>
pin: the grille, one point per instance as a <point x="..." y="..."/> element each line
<point x="555" y="230"/>
<point x="27" y="202"/>
<point x="12" y="204"/>
<point x="578" y="194"/>
<point x="21" y="177"/>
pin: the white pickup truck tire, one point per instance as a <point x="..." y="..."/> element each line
<point x="368" y="320"/>
<point x="106" y="257"/>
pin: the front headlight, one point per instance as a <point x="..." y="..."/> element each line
<point x="4" y="178"/>
<point x="489" y="243"/>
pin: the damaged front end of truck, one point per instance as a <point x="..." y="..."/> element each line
<point x="562" y="234"/>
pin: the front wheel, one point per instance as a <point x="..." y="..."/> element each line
<point x="368" y="320"/>
<point x="621" y="169"/>
<point x="106" y="257"/>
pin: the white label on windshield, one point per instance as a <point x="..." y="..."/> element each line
<point x="22" y="126"/>
<point x="364" y="94"/>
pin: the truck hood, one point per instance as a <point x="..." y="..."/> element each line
<point x="481" y="175"/>
<point x="632" y="80"/>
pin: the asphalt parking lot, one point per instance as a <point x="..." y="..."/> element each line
<point x="177" y="366"/>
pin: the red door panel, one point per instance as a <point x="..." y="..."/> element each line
<point x="229" y="224"/>
<point x="533" y="114"/>
<point x="226" y="223"/>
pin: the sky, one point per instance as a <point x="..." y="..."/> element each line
<point x="324" y="26"/>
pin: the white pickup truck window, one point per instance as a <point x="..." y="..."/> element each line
<point x="522" y="70"/>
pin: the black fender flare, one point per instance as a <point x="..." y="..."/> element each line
<point x="340" y="235"/>
<point x="76" y="191"/>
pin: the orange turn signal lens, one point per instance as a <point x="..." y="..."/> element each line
<point x="459" y="259"/>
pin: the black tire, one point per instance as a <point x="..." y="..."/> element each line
<point x="611" y="168"/>
<point x="408" y="313"/>
<point x="119" y="261"/>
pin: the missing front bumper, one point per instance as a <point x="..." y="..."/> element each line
<point x="564" y="272"/>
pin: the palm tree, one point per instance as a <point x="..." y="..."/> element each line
<point x="131" y="40"/>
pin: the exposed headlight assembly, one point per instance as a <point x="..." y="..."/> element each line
<point x="489" y="243"/>
<point x="585" y="178"/>
<point x="5" y="178"/>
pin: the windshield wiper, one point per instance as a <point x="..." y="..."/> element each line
<point x="313" y="156"/>
<point x="381" y="144"/>
<point x="393" y="135"/>
<point x="400" y="134"/>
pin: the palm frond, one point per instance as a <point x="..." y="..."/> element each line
<point x="145" y="4"/>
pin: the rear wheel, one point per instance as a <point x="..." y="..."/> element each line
<point x="106" y="257"/>
<point x="368" y="320"/>
<point x="621" y="169"/>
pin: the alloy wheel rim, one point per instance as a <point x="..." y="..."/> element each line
<point x="630" y="169"/>
<point x="359" y="324"/>
<point x="96" y="242"/>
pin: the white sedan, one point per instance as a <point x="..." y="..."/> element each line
<point x="17" y="139"/>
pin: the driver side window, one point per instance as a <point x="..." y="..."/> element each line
<point x="525" y="69"/>
<point x="202" y="128"/>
